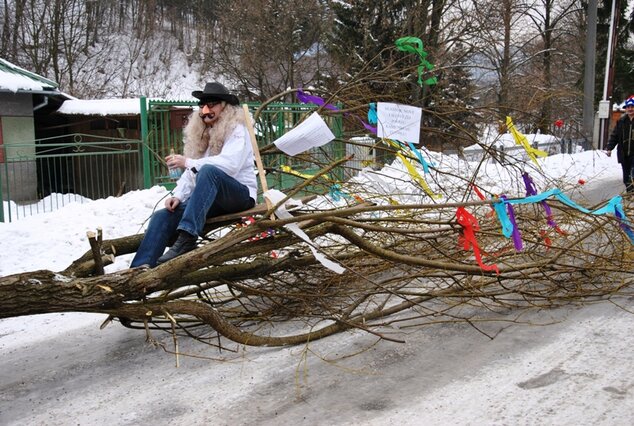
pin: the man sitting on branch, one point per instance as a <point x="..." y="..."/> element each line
<point x="218" y="177"/>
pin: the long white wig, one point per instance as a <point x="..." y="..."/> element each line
<point x="198" y="138"/>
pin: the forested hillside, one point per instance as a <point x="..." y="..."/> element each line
<point x="480" y="60"/>
<point x="166" y="48"/>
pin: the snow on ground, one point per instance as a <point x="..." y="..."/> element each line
<point x="61" y="369"/>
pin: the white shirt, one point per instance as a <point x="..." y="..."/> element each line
<point x="236" y="159"/>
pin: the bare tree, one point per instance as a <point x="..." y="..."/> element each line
<point x="53" y="38"/>
<point x="400" y="263"/>
<point x="552" y="19"/>
<point x="514" y="47"/>
<point x="265" y="47"/>
<point x="498" y="44"/>
<point x="12" y="15"/>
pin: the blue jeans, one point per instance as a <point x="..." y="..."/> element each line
<point x="216" y="193"/>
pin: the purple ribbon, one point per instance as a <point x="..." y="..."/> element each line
<point x="311" y="99"/>
<point x="367" y="126"/>
<point x="531" y="190"/>
<point x="624" y="226"/>
<point x="516" y="236"/>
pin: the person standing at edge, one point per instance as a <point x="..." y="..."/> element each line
<point x="622" y="137"/>
<point x="219" y="177"/>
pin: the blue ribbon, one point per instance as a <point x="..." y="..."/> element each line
<point x="612" y="206"/>
<point x="623" y="223"/>
<point x="420" y="157"/>
<point x="500" y="210"/>
<point x="336" y="193"/>
<point x="372" y="117"/>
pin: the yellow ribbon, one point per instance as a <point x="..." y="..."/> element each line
<point x="287" y="169"/>
<point x="520" y="139"/>
<point x="412" y="170"/>
<point x="417" y="177"/>
<point x="335" y="189"/>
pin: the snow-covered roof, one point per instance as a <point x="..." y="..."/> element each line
<point x="508" y="141"/>
<point x="101" y="107"/>
<point x="105" y="107"/>
<point x="16" y="79"/>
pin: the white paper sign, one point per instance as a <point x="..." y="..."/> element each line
<point x="399" y="122"/>
<point x="604" y="109"/>
<point x="310" y="133"/>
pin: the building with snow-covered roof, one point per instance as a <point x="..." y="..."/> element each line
<point x="23" y="96"/>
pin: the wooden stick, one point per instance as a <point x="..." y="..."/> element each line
<point x="95" y="246"/>
<point x="256" y="154"/>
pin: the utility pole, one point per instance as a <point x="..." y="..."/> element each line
<point x="605" y="109"/>
<point x="588" y="77"/>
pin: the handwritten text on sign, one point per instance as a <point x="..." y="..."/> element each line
<point x="399" y="122"/>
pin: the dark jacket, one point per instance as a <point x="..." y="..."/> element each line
<point x="622" y="138"/>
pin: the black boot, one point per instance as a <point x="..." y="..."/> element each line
<point x="185" y="243"/>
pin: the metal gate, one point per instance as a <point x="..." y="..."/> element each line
<point x="44" y="174"/>
<point x="161" y="129"/>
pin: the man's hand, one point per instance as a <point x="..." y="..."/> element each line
<point x="171" y="203"/>
<point x="175" y="161"/>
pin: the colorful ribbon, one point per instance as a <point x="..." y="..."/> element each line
<point x="532" y="190"/>
<point x="469" y="226"/>
<point x="547" y="241"/>
<point x="372" y="116"/>
<point x="612" y="206"/>
<point x="417" y="177"/>
<point x="515" y="233"/>
<point x="415" y="45"/>
<point x="336" y="193"/>
<point x="289" y="170"/>
<point x="400" y="145"/>
<point x="623" y="222"/>
<point x="421" y="160"/>
<point x="478" y="192"/>
<point x="481" y="196"/>
<point x="520" y="139"/>
<point x="312" y="99"/>
<point x="305" y="98"/>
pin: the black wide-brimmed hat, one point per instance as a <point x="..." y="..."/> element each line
<point x="215" y="92"/>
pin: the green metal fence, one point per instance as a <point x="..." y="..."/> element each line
<point x="45" y="174"/>
<point x="277" y="119"/>
<point x="161" y="126"/>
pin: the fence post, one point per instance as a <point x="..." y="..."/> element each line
<point x="147" y="178"/>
